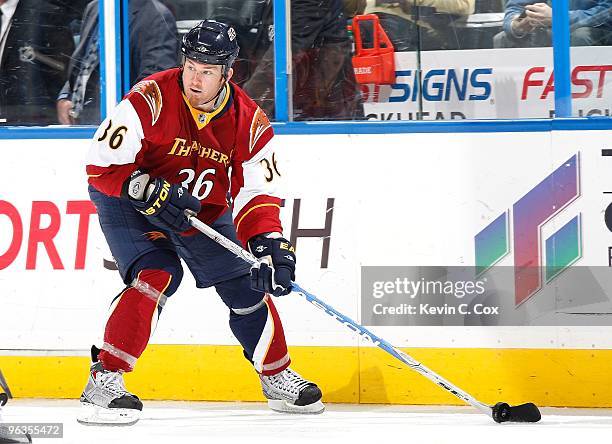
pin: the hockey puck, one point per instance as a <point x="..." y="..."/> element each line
<point x="501" y="412"/>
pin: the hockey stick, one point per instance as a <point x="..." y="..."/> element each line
<point x="500" y="412"/>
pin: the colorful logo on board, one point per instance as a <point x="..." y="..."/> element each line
<point x="529" y="214"/>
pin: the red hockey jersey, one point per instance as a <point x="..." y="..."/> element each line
<point x="231" y="149"/>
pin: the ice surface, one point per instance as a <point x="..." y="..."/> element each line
<point x="212" y="422"/>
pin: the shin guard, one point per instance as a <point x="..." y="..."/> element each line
<point x="271" y="355"/>
<point x="128" y="328"/>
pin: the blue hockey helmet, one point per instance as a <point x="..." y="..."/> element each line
<point x="211" y="42"/>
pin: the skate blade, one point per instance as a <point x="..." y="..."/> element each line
<point x="94" y="415"/>
<point x="279" y="405"/>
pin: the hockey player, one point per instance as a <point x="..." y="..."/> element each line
<point x="182" y="139"/>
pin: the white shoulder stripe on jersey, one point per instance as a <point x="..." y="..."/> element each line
<point x="118" y="139"/>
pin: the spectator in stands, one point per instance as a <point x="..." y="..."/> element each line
<point x="35" y="48"/>
<point x="528" y="23"/>
<point x="73" y="9"/>
<point x="354" y="7"/>
<point x="324" y="84"/>
<point x="405" y="7"/>
<point x="399" y="19"/>
<point x="154" y="46"/>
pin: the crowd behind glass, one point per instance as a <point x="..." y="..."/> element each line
<point x="50" y="71"/>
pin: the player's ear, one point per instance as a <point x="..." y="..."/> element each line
<point x="230" y="73"/>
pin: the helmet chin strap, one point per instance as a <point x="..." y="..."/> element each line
<point x="220" y="96"/>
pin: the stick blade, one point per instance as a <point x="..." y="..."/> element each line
<point x="528" y="412"/>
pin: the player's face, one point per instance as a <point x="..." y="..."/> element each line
<point x="202" y="83"/>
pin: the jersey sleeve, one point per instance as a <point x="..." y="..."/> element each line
<point x="114" y="149"/>
<point x="255" y="182"/>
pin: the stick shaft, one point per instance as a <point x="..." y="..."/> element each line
<point x="348" y="322"/>
<point x="393" y="351"/>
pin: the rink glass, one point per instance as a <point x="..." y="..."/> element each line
<point x="449" y="66"/>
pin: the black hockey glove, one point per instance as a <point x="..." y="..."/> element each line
<point x="164" y="204"/>
<point x="275" y="269"/>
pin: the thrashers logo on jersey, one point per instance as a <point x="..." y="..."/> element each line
<point x="150" y="91"/>
<point x="184" y="148"/>
<point x="259" y="125"/>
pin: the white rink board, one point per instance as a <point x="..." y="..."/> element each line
<point x="401" y="199"/>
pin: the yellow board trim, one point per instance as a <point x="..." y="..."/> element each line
<point x="569" y="378"/>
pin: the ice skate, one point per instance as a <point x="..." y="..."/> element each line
<point x="288" y="392"/>
<point x="105" y="400"/>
